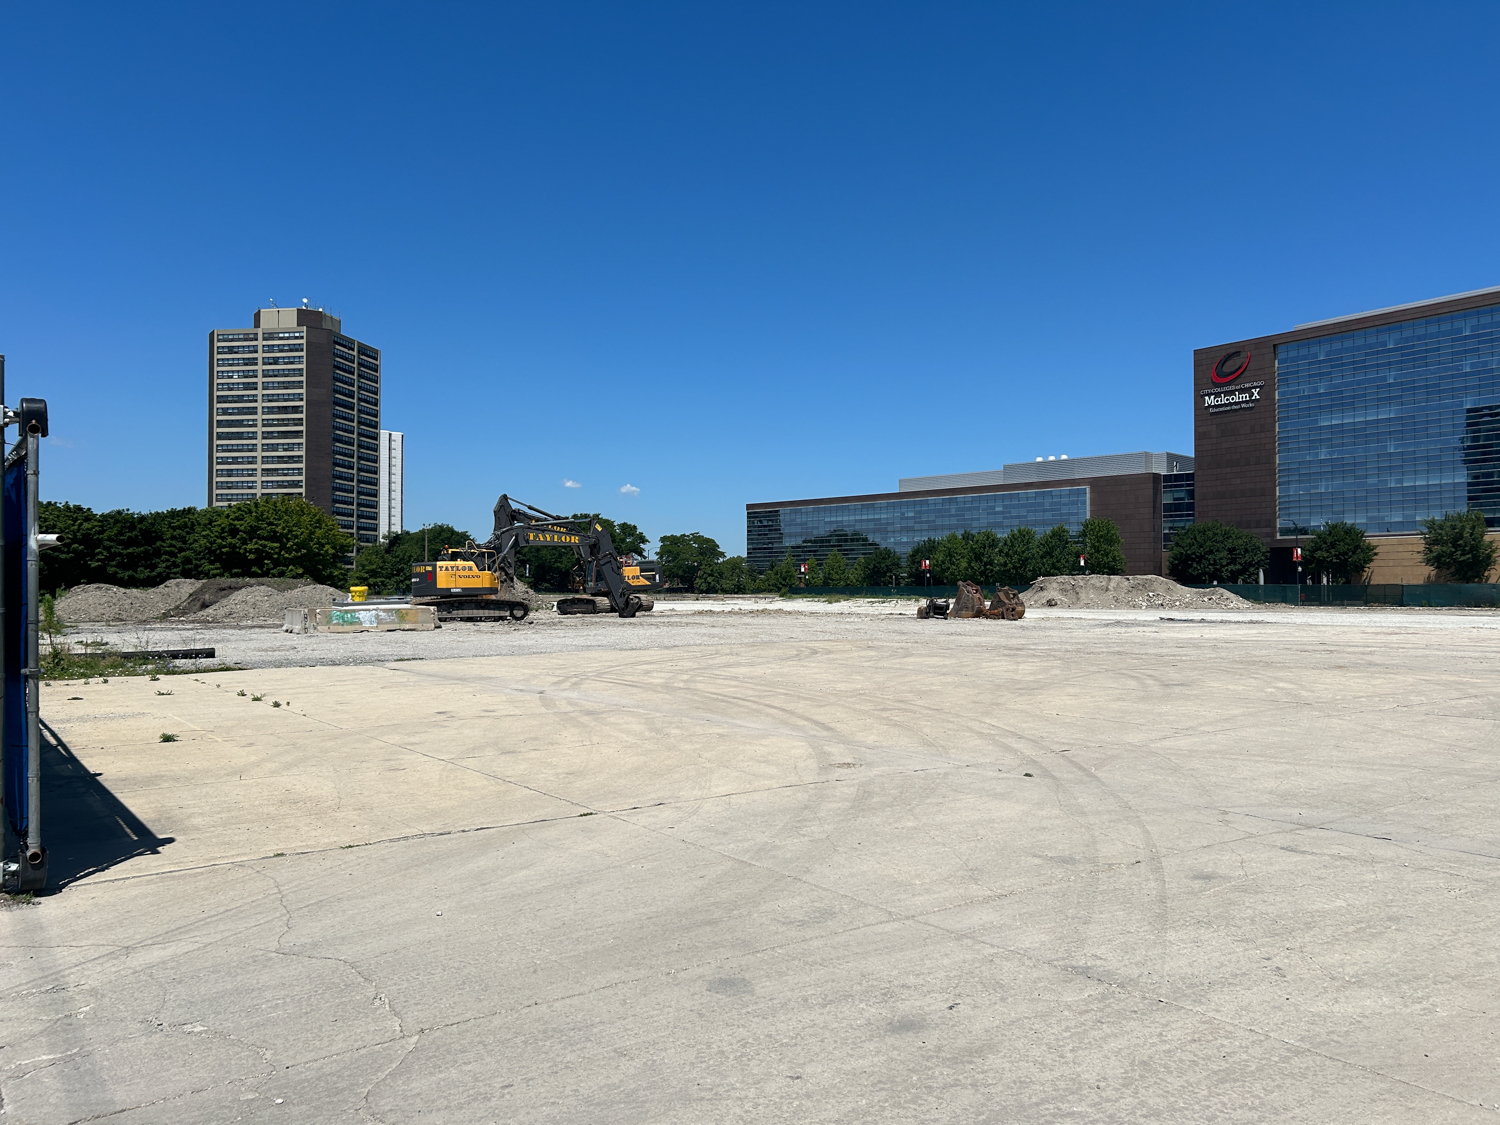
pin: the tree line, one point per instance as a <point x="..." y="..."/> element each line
<point x="290" y="538"/>
<point x="273" y="537"/>
<point x="695" y="561"/>
<point x="1455" y="546"/>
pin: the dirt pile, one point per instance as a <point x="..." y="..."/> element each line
<point x="1135" y="591"/>
<point x="99" y="602"/>
<point x="260" y="605"/>
<point x="220" y="600"/>
<point x="520" y="592"/>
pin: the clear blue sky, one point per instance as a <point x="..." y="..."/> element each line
<point x="718" y="252"/>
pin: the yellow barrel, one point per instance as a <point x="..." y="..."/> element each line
<point x="357" y="593"/>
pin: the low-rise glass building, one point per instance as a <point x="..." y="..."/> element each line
<point x="1042" y="494"/>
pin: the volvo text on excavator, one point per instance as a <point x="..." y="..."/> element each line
<point x="477" y="582"/>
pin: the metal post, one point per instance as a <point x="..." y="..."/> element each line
<point x="3" y="633"/>
<point x="32" y="671"/>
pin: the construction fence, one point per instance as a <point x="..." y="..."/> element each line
<point x="1428" y="594"/>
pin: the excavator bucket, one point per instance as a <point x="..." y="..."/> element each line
<point x="970" y="601"/>
<point x="1006" y="605"/>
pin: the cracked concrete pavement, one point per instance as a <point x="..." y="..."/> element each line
<point x="1105" y="868"/>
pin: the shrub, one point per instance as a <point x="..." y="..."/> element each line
<point x="1341" y="551"/>
<point x="1457" y="546"/>
<point x="1215" y="552"/>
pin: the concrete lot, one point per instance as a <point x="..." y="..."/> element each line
<point x="1084" y="867"/>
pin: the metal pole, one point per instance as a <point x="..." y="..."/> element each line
<point x="32" y="671"/>
<point x="3" y="634"/>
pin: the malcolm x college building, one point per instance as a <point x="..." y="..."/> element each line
<point x="1380" y="419"/>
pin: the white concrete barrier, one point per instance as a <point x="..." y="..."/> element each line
<point x="355" y="618"/>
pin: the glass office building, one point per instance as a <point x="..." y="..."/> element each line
<point x="1177" y="508"/>
<point x="855" y="528"/>
<point x="1384" y="426"/>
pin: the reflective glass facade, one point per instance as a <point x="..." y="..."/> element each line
<point x="1177" y="505"/>
<point x="856" y="529"/>
<point x="1386" y="426"/>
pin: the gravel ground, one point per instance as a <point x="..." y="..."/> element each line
<point x="717" y="621"/>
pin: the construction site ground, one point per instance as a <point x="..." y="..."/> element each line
<point x="761" y="860"/>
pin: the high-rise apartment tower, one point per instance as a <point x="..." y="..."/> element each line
<point x="294" y="410"/>
<point x="392" y="481"/>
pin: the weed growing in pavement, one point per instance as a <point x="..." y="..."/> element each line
<point x="75" y="697"/>
<point x="256" y="698"/>
<point x="153" y="677"/>
<point x="25" y="898"/>
<point x="164" y="693"/>
<point x="1026" y="775"/>
<point x="165" y="737"/>
<point x="275" y="703"/>
<point x="50" y="623"/>
<point x="240" y="693"/>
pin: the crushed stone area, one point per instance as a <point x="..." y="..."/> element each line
<point x="240" y="600"/>
<point x="261" y="604"/>
<point x="726" y="620"/>
<point x="1132" y="591"/>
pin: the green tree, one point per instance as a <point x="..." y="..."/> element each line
<point x="732" y="576"/>
<point x="780" y="578"/>
<point x="681" y="557"/>
<point x="835" y="570"/>
<point x="1215" y="552"/>
<point x="1341" y="551"/>
<point x="1017" y="558"/>
<point x="923" y="549"/>
<point x="273" y="537"/>
<point x="1100" y="544"/>
<point x="984" y="556"/>
<point x="1056" y="553"/>
<point x="1456" y="546"/>
<point x="75" y="561"/>
<point x="881" y="567"/>
<point x="953" y="562"/>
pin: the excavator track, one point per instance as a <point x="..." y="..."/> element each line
<point x="478" y="609"/>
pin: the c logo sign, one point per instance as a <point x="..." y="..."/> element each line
<point x="1230" y="366"/>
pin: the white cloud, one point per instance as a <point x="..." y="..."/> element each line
<point x="571" y="483"/>
<point x="630" y="490"/>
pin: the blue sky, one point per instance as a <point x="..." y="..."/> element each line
<point x="719" y="253"/>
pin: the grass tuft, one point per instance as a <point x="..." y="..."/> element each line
<point x="165" y="737"/>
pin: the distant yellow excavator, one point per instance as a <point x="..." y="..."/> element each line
<point x="476" y="582"/>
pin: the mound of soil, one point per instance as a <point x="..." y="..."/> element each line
<point x="1134" y="591"/>
<point x="190" y="598"/>
<point x="100" y="602"/>
<point x="259" y="605"/>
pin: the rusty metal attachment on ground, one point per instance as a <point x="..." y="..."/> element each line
<point x="932" y="608"/>
<point x="1006" y="605"/>
<point x="970" y="601"/>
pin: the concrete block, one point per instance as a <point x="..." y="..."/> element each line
<point x="360" y="619"/>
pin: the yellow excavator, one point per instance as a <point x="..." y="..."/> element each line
<point x="477" y="582"/>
